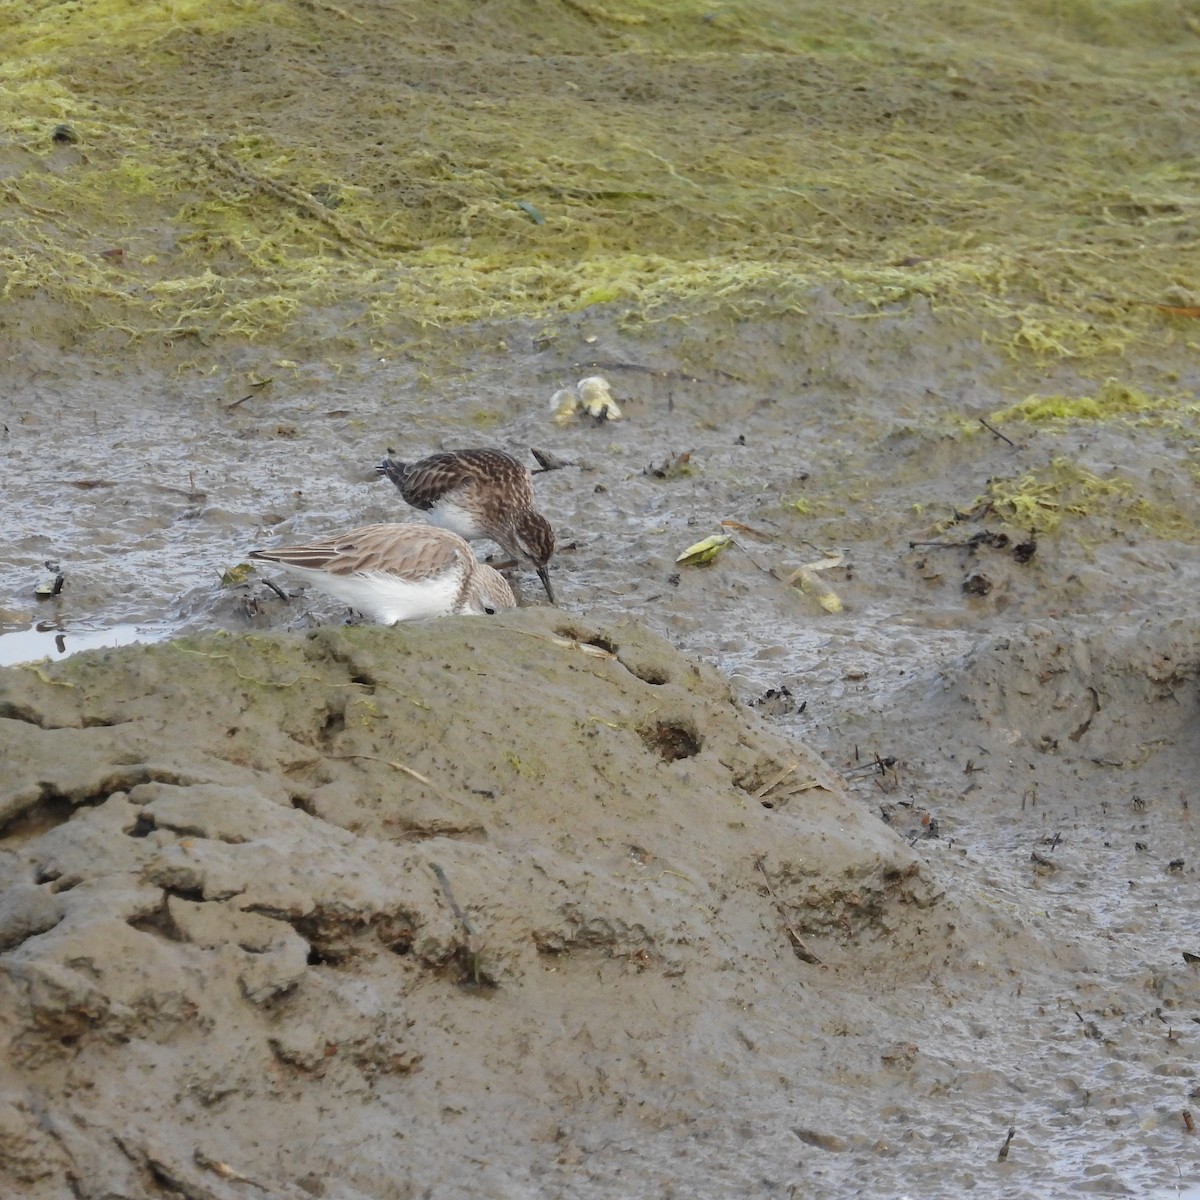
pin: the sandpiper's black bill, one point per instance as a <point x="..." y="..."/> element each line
<point x="544" y="576"/>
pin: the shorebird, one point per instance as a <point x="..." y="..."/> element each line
<point x="479" y="494"/>
<point x="396" y="573"/>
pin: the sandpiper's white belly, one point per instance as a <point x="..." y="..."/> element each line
<point x="453" y="516"/>
<point x="385" y="597"/>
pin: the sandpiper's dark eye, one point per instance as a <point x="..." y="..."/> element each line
<point x="487" y="608"/>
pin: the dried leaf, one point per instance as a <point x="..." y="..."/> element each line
<point x="592" y="396"/>
<point x="807" y="580"/>
<point x="826" y="597"/>
<point x="704" y="552"/>
<point x="235" y="575"/>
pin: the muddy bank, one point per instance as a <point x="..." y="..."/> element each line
<point x="530" y="906"/>
<point x="331" y="899"/>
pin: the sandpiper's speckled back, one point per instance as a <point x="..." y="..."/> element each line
<point x="477" y="493"/>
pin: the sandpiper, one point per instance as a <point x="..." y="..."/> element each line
<point x="479" y="494"/>
<point x="396" y="573"/>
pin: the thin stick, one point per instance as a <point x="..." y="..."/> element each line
<point x="398" y="766"/>
<point x="474" y="946"/>
<point x="758" y="535"/>
<point x="458" y="912"/>
<point x="1001" y="437"/>
<point x="876" y="766"/>
<point x="943" y="545"/>
<point x="766" y="787"/>
<point x="589" y="648"/>
<point x="765" y="570"/>
<point x="224" y="1170"/>
<point x="277" y="590"/>
<point x="801" y="950"/>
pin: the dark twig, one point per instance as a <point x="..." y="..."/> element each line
<point x="798" y="946"/>
<point x="998" y="434"/>
<point x="458" y="912"/>
<point x="231" y="407"/>
<point x="877" y="766"/>
<point x="277" y="590"/>
<point x="1012" y="1129"/>
<point x="472" y="953"/>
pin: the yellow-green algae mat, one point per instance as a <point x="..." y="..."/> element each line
<point x="326" y="173"/>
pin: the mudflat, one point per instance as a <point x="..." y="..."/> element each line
<point x="858" y="859"/>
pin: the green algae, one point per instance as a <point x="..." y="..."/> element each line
<point x="1064" y="492"/>
<point x="242" y="173"/>
<point x="1113" y="400"/>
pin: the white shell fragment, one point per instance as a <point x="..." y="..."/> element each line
<point x="564" y="404"/>
<point x="595" y="394"/>
<point x="592" y="396"/>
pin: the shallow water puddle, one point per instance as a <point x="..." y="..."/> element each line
<point x="40" y="641"/>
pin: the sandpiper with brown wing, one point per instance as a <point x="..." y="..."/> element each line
<point x="479" y="494"/>
<point x="397" y="572"/>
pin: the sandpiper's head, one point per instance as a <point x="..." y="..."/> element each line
<point x="489" y="593"/>
<point x="532" y="538"/>
<point x="533" y="544"/>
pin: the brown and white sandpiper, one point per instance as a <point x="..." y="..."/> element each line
<point x="479" y="494"/>
<point x="396" y="573"/>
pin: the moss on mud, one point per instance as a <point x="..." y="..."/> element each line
<point x="354" y="171"/>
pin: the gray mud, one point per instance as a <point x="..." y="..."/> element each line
<point x="224" y="939"/>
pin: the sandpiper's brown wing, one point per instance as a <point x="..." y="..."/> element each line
<point x="425" y="482"/>
<point x="412" y="551"/>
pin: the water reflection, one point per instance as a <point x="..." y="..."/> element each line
<point x="50" y="640"/>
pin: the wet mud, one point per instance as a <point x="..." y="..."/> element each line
<point x="628" y="934"/>
<point x="857" y="859"/>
